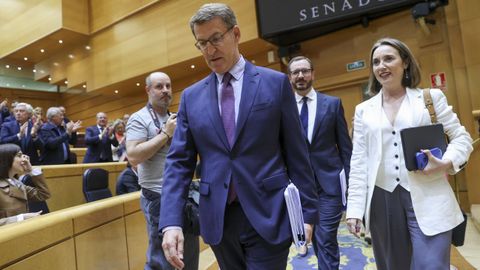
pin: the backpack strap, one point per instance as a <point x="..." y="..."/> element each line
<point x="427" y="98"/>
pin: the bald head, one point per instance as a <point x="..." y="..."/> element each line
<point x="159" y="90"/>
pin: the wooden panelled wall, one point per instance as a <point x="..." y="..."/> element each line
<point x="134" y="43"/>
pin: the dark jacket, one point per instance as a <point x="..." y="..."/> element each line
<point x="98" y="150"/>
<point x="29" y="145"/>
<point x="53" y="139"/>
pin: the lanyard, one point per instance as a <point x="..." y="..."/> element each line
<point x="154" y="116"/>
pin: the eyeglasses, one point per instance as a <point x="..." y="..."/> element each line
<point x="305" y="72"/>
<point x="215" y="40"/>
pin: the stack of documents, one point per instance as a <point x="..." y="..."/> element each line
<point x="295" y="213"/>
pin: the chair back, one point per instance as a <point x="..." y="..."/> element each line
<point x="34" y="206"/>
<point x="95" y="184"/>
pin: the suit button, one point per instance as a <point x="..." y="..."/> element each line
<point x="225" y="185"/>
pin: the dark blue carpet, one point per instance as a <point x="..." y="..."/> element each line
<point x="355" y="254"/>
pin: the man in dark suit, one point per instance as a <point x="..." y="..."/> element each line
<point x="99" y="139"/>
<point x="330" y="148"/>
<point x="242" y="122"/>
<point x="23" y="132"/>
<point x="56" y="138"/>
<point x="4" y="112"/>
<point x="127" y="181"/>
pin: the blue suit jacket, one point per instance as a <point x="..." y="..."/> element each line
<point x="331" y="146"/>
<point x="95" y="146"/>
<point x="52" y="141"/>
<point x="30" y="147"/>
<point x="268" y="150"/>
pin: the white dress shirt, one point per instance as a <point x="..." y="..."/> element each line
<point x="237" y="83"/>
<point x="312" y="110"/>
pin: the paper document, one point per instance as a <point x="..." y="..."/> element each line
<point x="295" y="214"/>
<point x="343" y="186"/>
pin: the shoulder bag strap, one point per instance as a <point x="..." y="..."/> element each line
<point x="427" y="98"/>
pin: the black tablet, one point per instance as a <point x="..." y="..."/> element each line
<point x="423" y="137"/>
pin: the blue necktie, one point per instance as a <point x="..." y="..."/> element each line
<point x="304" y="116"/>
<point x="227" y="105"/>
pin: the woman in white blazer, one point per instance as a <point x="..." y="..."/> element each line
<point x="410" y="214"/>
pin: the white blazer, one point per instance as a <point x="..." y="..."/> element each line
<point x="433" y="200"/>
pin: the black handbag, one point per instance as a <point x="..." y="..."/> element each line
<point x="458" y="233"/>
<point x="191" y="224"/>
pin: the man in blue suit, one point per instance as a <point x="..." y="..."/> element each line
<point x="56" y="137"/>
<point x="330" y="149"/>
<point x="99" y="139"/>
<point x="242" y="122"/>
<point x="23" y="132"/>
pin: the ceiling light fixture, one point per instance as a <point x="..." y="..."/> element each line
<point x="84" y="86"/>
<point x="87" y="47"/>
<point x="192" y="66"/>
<point x="25" y="58"/>
<point x="60" y="41"/>
<point x="71" y="56"/>
<point x="42" y="50"/>
<point x="34" y="70"/>
<point x="66" y="82"/>
<point x="49" y="79"/>
<point x="7" y="66"/>
<point x="138" y="84"/>
<point x="19" y="68"/>
<point x="116" y="91"/>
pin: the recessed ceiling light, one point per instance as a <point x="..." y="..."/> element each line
<point x="253" y="61"/>
<point x="84" y="86"/>
<point x="23" y="85"/>
<point x="34" y="70"/>
<point x="87" y="47"/>
<point x="8" y="84"/>
<point x="25" y="58"/>
<point x="71" y="56"/>
<point x="56" y="64"/>
<point x="19" y="68"/>
<point x="192" y="66"/>
<point x="42" y="50"/>
<point x="49" y="78"/>
<point x="116" y="91"/>
<point x="42" y="71"/>
<point x="60" y="41"/>
<point x="66" y="82"/>
<point x="7" y="66"/>
<point x="138" y="84"/>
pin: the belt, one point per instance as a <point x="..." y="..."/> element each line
<point x="150" y="195"/>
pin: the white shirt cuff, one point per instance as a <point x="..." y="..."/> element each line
<point x="168" y="228"/>
<point x="36" y="171"/>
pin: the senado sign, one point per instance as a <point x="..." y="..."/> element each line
<point x="285" y="22"/>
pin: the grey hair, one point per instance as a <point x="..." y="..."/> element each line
<point x="52" y="111"/>
<point x="210" y="11"/>
<point x="27" y="106"/>
<point x="100" y="113"/>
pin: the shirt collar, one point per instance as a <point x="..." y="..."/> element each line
<point x="310" y="95"/>
<point x="236" y="71"/>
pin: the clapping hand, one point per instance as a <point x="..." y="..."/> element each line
<point x="22" y="129"/>
<point x="27" y="167"/>
<point x="36" y="127"/>
<point x="4" y="103"/>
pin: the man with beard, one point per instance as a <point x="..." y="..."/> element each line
<point x="330" y="149"/>
<point x="149" y="133"/>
